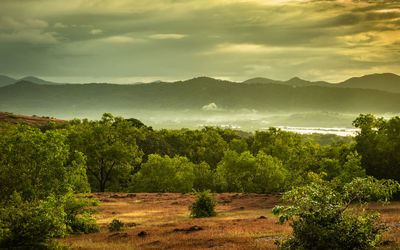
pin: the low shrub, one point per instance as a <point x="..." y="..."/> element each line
<point x="203" y="206"/>
<point x="115" y="225"/>
<point x="79" y="215"/>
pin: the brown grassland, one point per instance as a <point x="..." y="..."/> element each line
<point x="244" y="221"/>
<point x="6" y="117"/>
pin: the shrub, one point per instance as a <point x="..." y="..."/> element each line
<point x="322" y="217"/>
<point x="115" y="225"/>
<point x="79" y="218"/>
<point x="30" y="225"/>
<point x="33" y="224"/>
<point x="204" y="206"/>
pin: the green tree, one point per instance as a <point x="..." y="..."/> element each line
<point x="378" y="143"/>
<point x="270" y="176"/>
<point x="164" y="174"/>
<point x="203" y="177"/>
<point x="37" y="164"/>
<point x="110" y="149"/>
<point x="235" y="172"/>
<point x="247" y="173"/>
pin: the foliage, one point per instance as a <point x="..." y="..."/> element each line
<point x="322" y="218"/>
<point x="203" y="206"/>
<point x="36" y="164"/>
<point x="378" y="143"/>
<point x="206" y="145"/>
<point x="30" y="224"/>
<point x="115" y="225"/>
<point x="78" y="214"/>
<point x="110" y="148"/>
<point x="164" y="174"/>
<point x="247" y="173"/>
<point x="203" y="177"/>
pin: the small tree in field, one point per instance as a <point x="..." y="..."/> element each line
<point x="204" y="205"/>
<point x="322" y="218"/>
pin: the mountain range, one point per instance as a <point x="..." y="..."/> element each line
<point x="386" y="81"/>
<point x="206" y="95"/>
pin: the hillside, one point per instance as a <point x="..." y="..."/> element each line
<point x="6" y="117"/>
<point x="5" y="80"/>
<point x="386" y="82"/>
<point x="26" y="97"/>
<point x="295" y="81"/>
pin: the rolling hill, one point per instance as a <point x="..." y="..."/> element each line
<point x="5" y="80"/>
<point x="386" y="82"/>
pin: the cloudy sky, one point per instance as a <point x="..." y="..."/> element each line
<point x="145" y="40"/>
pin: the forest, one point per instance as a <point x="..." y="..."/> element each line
<point x="46" y="170"/>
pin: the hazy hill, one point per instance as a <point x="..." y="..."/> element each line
<point x="193" y="94"/>
<point x="387" y="82"/>
<point x="36" y="80"/>
<point x="295" y="81"/>
<point x="5" y="80"/>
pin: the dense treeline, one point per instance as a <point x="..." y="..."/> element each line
<point x="117" y="154"/>
<point x="125" y="155"/>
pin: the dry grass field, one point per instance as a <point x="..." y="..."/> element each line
<point x="161" y="221"/>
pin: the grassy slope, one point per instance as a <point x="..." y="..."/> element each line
<point x="6" y="117"/>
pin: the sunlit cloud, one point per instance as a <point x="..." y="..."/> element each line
<point x="96" y="31"/>
<point x="167" y="36"/>
<point x="119" y="39"/>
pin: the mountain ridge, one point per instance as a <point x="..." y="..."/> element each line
<point x="389" y="82"/>
<point x="193" y="94"/>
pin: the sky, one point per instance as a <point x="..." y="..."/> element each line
<point x="126" y="41"/>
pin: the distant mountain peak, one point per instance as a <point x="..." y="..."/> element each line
<point x="296" y="79"/>
<point x="6" y="80"/>
<point x="36" y="80"/>
<point x="380" y="81"/>
<point x="260" y="80"/>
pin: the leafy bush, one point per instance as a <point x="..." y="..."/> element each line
<point x="323" y="219"/>
<point x="78" y="217"/>
<point x="115" y="225"/>
<point x="30" y="224"/>
<point x="204" y="206"/>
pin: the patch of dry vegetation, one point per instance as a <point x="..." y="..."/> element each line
<point x="244" y="221"/>
<point x="7" y="117"/>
